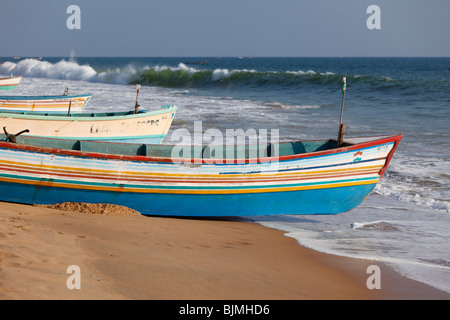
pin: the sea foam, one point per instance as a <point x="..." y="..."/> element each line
<point x="42" y="69"/>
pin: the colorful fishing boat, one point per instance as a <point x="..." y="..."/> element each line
<point x="9" y="83"/>
<point x="141" y="127"/>
<point x="301" y="177"/>
<point x="63" y="103"/>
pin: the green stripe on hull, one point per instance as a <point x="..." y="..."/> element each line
<point x="8" y="87"/>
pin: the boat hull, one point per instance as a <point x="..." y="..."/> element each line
<point x="9" y="83"/>
<point x="328" y="201"/>
<point x="144" y="127"/>
<point x="44" y="103"/>
<point x="323" y="182"/>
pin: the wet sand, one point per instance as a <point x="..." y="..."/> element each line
<point x="124" y="255"/>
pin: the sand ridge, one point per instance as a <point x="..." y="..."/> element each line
<point x="92" y="208"/>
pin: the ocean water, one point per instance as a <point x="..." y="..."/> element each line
<point x="405" y="222"/>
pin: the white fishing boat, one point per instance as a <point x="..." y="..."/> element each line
<point x="142" y="126"/>
<point x="63" y="103"/>
<point x="9" y="83"/>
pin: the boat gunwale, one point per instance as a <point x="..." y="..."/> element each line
<point x="86" y="116"/>
<point x="13" y="77"/>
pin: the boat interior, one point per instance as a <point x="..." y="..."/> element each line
<point x="247" y="151"/>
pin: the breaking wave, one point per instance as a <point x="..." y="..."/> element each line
<point x="68" y="70"/>
<point x="182" y="76"/>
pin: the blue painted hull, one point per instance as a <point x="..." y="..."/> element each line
<point x="318" y="201"/>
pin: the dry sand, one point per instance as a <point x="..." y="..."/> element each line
<point x="124" y="255"/>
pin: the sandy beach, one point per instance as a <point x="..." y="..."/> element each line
<point x="124" y="255"/>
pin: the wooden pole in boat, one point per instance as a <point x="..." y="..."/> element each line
<point x="70" y="106"/>
<point x="136" y="106"/>
<point x="341" y="125"/>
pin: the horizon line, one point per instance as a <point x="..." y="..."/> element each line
<point x="211" y="56"/>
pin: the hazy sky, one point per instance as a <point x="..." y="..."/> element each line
<point x="205" y="28"/>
